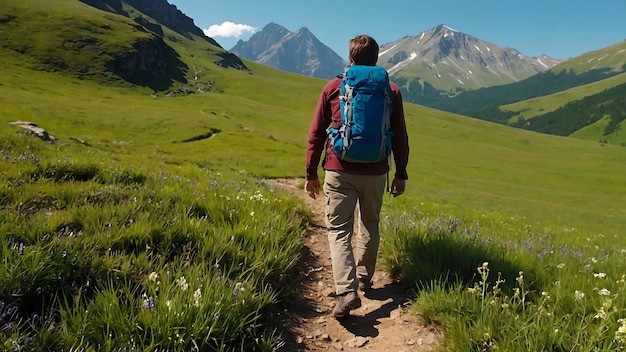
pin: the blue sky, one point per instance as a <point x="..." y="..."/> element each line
<point x="558" y="28"/>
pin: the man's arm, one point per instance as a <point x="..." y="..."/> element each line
<point x="400" y="139"/>
<point x="316" y="138"/>
<point x="312" y="187"/>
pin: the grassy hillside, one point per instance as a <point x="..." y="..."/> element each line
<point x="607" y="59"/>
<point x="605" y="109"/>
<point x="564" y="84"/>
<point x="263" y="132"/>
<point x="482" y="167"/>
<point x="257" y="122"/>
<point x="143" y="188"/>
<point x="69" y="37"/>
<point x="122" y="114"/>
<point x="527" y="109"/>
<point x="593" y="111"/>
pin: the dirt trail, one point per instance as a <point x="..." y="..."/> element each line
<point x="383" y="323"/>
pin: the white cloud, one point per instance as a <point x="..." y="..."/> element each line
<point x="229" y="29"/>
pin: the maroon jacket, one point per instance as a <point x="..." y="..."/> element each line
<point x="327" y="111"/>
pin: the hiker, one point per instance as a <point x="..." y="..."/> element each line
<point x="355" y="185"/>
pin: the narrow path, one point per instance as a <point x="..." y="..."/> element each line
<point x="383" y="323"/>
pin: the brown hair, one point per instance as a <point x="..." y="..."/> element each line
<point x="363" y="50"/>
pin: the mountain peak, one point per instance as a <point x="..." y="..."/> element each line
<point x="444" y="31"/>
<point x="299" y="51"/>
<point x="303" y="30"/>
<point x="451" y="60"/>
<point x="274" y="27"/>
<point x="443" y="27"/>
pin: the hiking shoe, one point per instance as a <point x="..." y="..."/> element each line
<point x="346" y="303"/>
<point x="364" y="285"/>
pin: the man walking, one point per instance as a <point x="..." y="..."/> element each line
<point x="350" y="185"/>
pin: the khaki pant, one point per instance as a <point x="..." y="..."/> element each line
<point x="348" y="195"/>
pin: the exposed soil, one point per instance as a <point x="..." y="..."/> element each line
<point x="384" y="321"/>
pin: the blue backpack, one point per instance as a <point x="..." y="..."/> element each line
<point x="366" y="104"/>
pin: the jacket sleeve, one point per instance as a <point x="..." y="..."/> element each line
<point x="317" y="134"/>
<point x="400" y="139"/>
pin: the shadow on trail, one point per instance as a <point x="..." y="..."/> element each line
<point x="365" y="326"/>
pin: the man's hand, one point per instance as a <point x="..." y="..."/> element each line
<point x="312" y="187"/>
<point x="397" y="187"/>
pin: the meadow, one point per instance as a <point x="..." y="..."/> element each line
<point x="527" y="109"/>
<point x="147" y="225"/>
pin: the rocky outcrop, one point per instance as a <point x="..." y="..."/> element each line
<point x="152" y="63"/>
<point x="159" y="10"/>
<point x="34" y="129"/>
<point x="231" y="60"/>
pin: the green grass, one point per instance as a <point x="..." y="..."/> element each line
<point x="609" y="58"/>
<point x="101" y="256"/>
<point x="100" y="228"/>
<point x="498" y="284"/>
<point x="476" y="167"/>
<point x="72" y="37"/>
<point x="530" y="108"/>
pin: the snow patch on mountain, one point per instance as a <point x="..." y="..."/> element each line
<point x="404" y="63"/>
<point x="386" y="51"/>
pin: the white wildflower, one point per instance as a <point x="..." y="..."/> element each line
<point x="599" y="275"/>
<point x="258" y="196"/>
<point x="620" y="334"/>
<point x="153" y="276"/>
<point x="578" y="295"/>
<point x="182" y="283"/>
<point x="604" y="292"/>
<point x="196" y="297"/>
